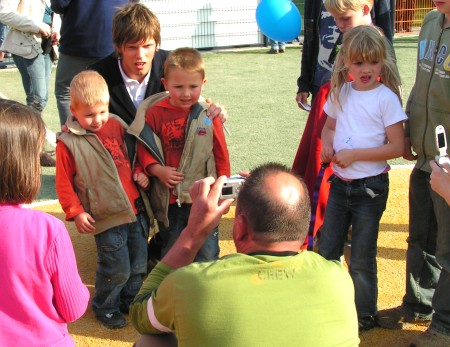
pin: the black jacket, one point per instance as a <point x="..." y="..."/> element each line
<point x="120" y="102"/>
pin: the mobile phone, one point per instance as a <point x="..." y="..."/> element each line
<point x="441" y="144"/>
<point x="305" y="106"/>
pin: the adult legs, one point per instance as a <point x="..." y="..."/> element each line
<point x="35" y="75"/>
<point x="68" y="67"/>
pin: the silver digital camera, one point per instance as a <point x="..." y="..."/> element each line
<point x="232" y="187"/>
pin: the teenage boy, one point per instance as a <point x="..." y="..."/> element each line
<point x="428" y="254"/>
<point x="192" y="147"/>
<point x="96" y="189"/>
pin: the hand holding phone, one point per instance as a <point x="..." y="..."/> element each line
<point x="306" y="107"/>
<point x="441" y="143"/>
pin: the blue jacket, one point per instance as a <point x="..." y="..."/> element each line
<point x="86" y="29"/>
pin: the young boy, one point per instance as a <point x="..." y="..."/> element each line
<point x="95" y="187"/>
<point x="192" y="146"/>
<point x="307" y="162"/>
<point x="428" y="253"/>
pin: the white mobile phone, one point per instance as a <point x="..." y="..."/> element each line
<point x="305" y="106"/>
<point x="441" y="144"/>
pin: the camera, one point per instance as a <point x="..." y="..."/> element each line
<point x="232" y="187"/>
<point x="441" y="143"/>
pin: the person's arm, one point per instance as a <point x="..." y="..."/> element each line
<point x="220" y="150"/>
<point x="308" y="60"/>
<point x="392" y="149"/>
<point x="64" y="182"/>
<point x="440" y="180"/>
<point x="328" y="132"/>
<point x="70" y="296"/>
<point x="12" y="18"/>
<point x="206" y="211"/>
<point x="59" y="6"/>
<point x="408" y="151"/>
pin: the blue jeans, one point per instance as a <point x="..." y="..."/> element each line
<point x="121" y="265"/>
<point x="68" y="67"/>
<point x="35" y="78"/>
<point x="428" y="253"/>
<point x="359" y="203"/>
<point x="275" y="45"/>
<point x="178" y="218"/>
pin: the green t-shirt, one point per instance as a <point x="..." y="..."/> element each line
<point x="259" y="300"/>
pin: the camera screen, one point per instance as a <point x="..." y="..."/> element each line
<point x="227" y="190"/>
<point x="441" y="140"/>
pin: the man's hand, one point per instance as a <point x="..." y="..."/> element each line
<point x="215" y="110"/>
<point x="440" y="180"/>
<point x="141" y="179"/>
<point x="84" y="223"/>
<point x="206" y="211"/>
<point x="302" y="99"/>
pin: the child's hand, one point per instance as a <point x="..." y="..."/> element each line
<point x="407" y="152"/>
<point x="344" y="158"/>
<point x="142" y="180"/>
<point x="327" y="154"/>
<point x="169" y="176"/>
<point x="84" y="223"/>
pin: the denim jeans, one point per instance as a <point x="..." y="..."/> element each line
<point x="178" y="218"/>
<point x="275" y="45"/>
<point x="35" y="75"/>
<point x="121" y="265"/>
<point x="428" y="253"/>
<point x="359" y="203"/>
<point x="68" y="67"/>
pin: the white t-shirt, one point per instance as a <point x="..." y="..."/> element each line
<point x="362" y="123"/>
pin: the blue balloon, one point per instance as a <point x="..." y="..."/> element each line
<point x="279" y="20"/>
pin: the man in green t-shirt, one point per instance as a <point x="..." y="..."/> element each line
<point x="267" y="294"/>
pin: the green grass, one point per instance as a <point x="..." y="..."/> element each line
<point x="258" y="91"/>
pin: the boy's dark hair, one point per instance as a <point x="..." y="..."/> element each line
<point x="133" y="23"/>
<point x="22" y="135"/>
<point x="273" y="219"/>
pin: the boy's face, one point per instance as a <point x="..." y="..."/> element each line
<point x="91" y="118"/>
<point x="442" y="6"/>
<point x="136" y="58"/>
<point x="184" y="87"/>
<point x="350" y="19"/>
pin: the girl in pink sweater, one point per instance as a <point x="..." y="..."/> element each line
<point x="40" y="289"/>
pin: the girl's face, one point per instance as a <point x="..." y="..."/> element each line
<point x="184" y="87"/>
<point x="365" y="74"/>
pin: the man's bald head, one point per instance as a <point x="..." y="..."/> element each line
<point x="275" y="203"/>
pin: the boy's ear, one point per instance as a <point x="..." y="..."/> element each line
<point x="366" y="9"/>
<point x="163" y="80"/>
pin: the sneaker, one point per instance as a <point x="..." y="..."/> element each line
<point x="47" y="160"/>
<point x="400" y="317"/>
<point x="273" y="51"/>
<point x="366" y="323"/>
<point x="431" y="338"/>
<point x="282" y="50"/>
<point x="113" y="320"/>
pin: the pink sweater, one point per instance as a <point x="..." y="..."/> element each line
<point x="40" y="288"/>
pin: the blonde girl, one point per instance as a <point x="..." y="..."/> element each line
<point x="364" y="128"/>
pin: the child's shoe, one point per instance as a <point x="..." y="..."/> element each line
<point x="113" y="320"/>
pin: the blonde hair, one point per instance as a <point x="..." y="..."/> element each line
<point x="341" y="6"/>
<point x="89" y="88"/>
<point x="364" y="43"/>
<point x="22" y="136"/>
<point x="188" y="59"/>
